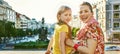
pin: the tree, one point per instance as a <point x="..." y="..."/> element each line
<point x="1" y="28"/>
<point x="6" y="30"/>
<point x="9" y="29"/>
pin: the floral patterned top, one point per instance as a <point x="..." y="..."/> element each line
<point x="92" y="30"/>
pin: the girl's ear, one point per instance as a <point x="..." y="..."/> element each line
<point x="58" y="17"/>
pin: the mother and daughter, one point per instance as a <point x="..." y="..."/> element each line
<point x="90" y="37"/>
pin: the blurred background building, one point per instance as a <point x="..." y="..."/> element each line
<point x="107" y="12"/>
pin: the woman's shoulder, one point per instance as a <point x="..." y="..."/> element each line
<point x="93" y="22"/>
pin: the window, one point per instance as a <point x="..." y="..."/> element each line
<point x="116" y="7"/>
<point x="116" y="35"/>
<point x="107" y="7"/>
<point x="116" y="15"/>
<point x="116" y="25"/>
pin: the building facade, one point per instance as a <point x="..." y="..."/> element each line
<point x="33" y="24"/>
<point x="113" y="15"/>
<point x="108" y="16"/>
<point x="75" y="22"/>
<point x="6" y="12"/>
<point x="22" y="21"/>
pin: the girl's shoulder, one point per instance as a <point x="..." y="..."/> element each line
<point x="62" y="26"/>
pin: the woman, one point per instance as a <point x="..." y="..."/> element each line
<point x="61" y="33"/>
<point x="90" y="36"/>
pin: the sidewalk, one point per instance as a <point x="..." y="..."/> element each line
<point x="22" y="52"/>
<point x="43" y="52"/>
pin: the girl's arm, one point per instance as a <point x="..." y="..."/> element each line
<point x="62" y="42"/>
<point x="49" y="45"/>
<point x="70" y="42"/>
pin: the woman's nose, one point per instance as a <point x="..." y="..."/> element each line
<point x="83" y="13"/>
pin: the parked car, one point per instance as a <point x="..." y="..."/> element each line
<point x="112" y="48"/>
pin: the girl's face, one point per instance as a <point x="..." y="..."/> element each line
<point x="85" y="13"/>
<point x="66" y="16"/>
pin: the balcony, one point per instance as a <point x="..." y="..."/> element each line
<point x="116" y="10"/>
<point x="117" y="29"/>
<point x="2" y="14"/>
<point x="116" y="20"/>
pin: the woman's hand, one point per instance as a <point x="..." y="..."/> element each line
<point x="91" y="47"/>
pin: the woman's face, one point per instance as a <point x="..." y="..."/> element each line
<point x="66" y="16"/>
<point x="85" y="13"/>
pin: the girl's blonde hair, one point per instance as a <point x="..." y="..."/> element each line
<point x="61" y="10"/>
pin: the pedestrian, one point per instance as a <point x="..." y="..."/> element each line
<point x="61" y="33"/>
<point x="90" y="36"/>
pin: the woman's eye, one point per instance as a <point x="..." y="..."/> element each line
<point x="86" y="11"/>
<point x="80" y="12"/>
<point x="69" y="14"/>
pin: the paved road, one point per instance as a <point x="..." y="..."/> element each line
<point x="22" y="52"/>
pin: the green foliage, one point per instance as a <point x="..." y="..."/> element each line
<point x="35" y="31"/>
<point x="32" y="45"/>
<point x="74" y="31"/>
<point x="7" y="28"/>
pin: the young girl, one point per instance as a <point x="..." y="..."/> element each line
<point x="61" y="33"/>
<point x="90" y="36"/>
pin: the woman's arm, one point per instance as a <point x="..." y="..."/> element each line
<point x="92" y="43"/>
<point x="88" y="50"/>
<point x="62" y="42"/>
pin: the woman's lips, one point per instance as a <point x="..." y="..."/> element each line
<point x="84" y="18"/>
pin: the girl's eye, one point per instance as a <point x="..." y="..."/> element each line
<point x="66" y="14"/>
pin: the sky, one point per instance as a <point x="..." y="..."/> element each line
<point x="44" y="8"/>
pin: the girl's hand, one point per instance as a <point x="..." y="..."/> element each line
<point x="48" y="52"/>
<point x="73" y="51"/>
